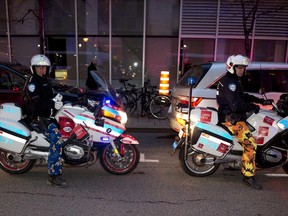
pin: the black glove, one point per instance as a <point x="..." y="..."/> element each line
<point x="256" y="108"/>
<point x="266" y="102"/>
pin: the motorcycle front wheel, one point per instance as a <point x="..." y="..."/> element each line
<point x="9" y="164"/>
<point x="113" y="164"/>
<point x="197" y="164"/>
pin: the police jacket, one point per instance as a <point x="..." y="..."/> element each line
<point x="39" y="95"/>
<point x="233" y="102"/>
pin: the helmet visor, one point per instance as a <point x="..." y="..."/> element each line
<point x="241" y="66"/>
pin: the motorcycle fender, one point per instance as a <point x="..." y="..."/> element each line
<point x="128" y="139"/>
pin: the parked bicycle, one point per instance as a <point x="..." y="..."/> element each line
<point x="150" y="101"/>
<point x="128" y="96"/>
<point x="159" y="106"/>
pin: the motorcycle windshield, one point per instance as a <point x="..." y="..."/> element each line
<point x="102" y="85"/>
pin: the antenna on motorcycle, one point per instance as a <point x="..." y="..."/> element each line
<point x="191" y="82"/>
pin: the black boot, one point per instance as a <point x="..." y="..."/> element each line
<point x="57" y="181"/>
<point x="250" y="181"/>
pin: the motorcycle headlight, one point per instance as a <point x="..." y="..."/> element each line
<point x="124" y="117"/>
<point x="108" y="114"/>
<point x="115" y="113"/>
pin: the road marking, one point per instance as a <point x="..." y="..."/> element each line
<point x="276" y="175"/>
<point x="143" y="160"/>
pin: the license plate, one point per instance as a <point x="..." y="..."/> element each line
<point x="174" y="145"/>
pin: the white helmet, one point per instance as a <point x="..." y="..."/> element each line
<point x="39" y="60"/>
<point x="234" y="60"/>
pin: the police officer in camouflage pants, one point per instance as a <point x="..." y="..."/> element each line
<point x="39" y="107"/>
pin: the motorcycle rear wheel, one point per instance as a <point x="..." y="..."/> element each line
<point x="11" y="166"/>
<point x="196" y="163"/>
<point x="128" y="161"/>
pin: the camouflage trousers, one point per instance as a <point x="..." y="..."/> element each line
<point x="55" y="160"/>
<point x="244" y="136"/>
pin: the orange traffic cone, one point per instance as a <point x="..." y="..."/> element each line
<point x="164" y="83"/>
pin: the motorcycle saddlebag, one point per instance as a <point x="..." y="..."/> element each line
<point x="13" y="136"/>
<point x="211" y="139"/>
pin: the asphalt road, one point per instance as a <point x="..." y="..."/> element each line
<point x="158" y="186"/>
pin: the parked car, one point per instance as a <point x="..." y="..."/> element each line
<point x="270" y="76"/>
<point x="12" y="81"/>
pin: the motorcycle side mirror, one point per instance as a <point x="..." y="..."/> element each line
<point x="191" y="80"/>
<point x="97" y="112"/>
<point x="262" y="91"/>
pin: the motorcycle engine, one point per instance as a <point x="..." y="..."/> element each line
<point x="74" y="152"/>
<point x="272" y="155"/>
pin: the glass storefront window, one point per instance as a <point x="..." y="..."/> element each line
<point x="198" y="50"/>
<point x="269" y="50"/>
<point x="93" y="47"/>
<point x="227" y="47"/>
<point x="161" y="55"/>
<point x="23" y="21"/>
<point x="59" y="17"/>
<point x="4" y="49"/>
<point x="127" y="17"/>
<point x="62" y="54"/>
<point x="127" y="59"/>
<point x="162" y="25"/>
<point x="93" y="17"/>
<point x="166" y="24"/>
<point x="3" y="20"/>
<point x="23" y="48"/>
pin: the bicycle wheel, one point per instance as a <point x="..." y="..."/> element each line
<point x="159" y="106"/>
<point x="129" y="103"/>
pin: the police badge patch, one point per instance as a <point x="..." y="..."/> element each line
<point x="232" y="87"/>
<point x="31" y="87"/>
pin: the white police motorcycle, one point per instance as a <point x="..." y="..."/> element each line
<point x="204" y="145"/>
<point x="89" y="134"/>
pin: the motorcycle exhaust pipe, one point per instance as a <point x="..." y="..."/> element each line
<point x="13" y="157"/>
<point x="228" y="159"/>
<point x="31" y="154"/>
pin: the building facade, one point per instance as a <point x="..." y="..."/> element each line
<point x="137" y="39"/>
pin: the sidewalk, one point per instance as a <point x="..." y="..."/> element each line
<point x="149" y="122"/>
